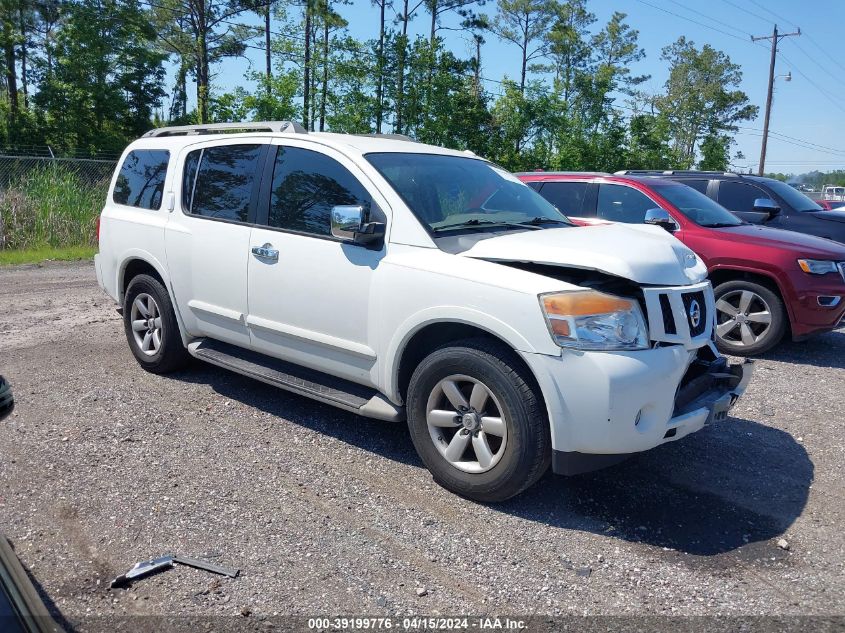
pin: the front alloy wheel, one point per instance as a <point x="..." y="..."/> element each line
<point x="465" y="423"/>
<point x="477" y="420"/>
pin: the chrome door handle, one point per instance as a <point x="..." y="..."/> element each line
<point x="266" y="252"/>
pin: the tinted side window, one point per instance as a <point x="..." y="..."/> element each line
<point x="619" y="203"/>
<point x="306" y="185"/>
<point x="140" y="182"/>
<point x="739" y="196"/>
<point x="698" y="185"/>
<point x="568" y="197"/>
<point x="223" y="179"/>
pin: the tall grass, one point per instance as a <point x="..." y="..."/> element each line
<point x="50" y="207"/>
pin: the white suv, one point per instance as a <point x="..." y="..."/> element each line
<point x="399" y="280"/>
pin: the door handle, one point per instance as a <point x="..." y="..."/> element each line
<point x="266" y="252"/>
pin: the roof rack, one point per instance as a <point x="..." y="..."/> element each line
<point x="217" y="128"/>
<point x="542" y="172"/>
<point x="672" y="172"/>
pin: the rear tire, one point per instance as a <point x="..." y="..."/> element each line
<point x="477" y="420"/>
<point x="750" y="318"/>
<point x="151" y="327"/>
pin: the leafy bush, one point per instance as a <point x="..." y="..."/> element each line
<point x="50" y="206"/>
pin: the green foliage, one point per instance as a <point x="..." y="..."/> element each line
<point x="50" y="207"/>
<point x="715" y="153"/>
<point x="699" y="102"/>
<point x="95" y="79"/>
<point x="105" y="77"/>
<point x="46" y="253"/>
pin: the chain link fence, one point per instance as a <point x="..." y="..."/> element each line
<point x="51" y="201"/>
<point x="15" y="168"/>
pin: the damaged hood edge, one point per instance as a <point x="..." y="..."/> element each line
<point x="643" y="254"/>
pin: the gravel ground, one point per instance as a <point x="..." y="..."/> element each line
<point x="103" y="465"/>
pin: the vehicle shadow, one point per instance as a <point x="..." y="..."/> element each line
<point x="825" y="350"/>
<point x="729" y="485"/>
<point x="735" y="483"/>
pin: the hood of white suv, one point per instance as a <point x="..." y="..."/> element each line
<point x="644" y="254"/>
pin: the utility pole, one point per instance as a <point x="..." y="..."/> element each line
<point x="776" y="38"/>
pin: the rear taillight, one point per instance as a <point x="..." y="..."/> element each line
<point x="98" y="229"/>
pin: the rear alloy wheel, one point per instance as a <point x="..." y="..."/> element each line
<point x="477" y="420"/>
<point x="750" y="318"/>
<point x="151" y="327"/>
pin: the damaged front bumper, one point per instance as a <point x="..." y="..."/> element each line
<point x="708" y="391"/>
<point x="631" y="410"/>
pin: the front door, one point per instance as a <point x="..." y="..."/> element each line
<point x="310" y="295"/>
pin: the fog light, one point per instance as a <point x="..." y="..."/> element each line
<point x="829" y="301"/>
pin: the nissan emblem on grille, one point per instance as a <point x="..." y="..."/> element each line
<point x="694" y="313"/>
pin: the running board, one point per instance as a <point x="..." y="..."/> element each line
<point x="297" y="379"/>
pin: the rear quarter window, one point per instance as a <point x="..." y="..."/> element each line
<point x="218" y="182"/>
<point x="140" y="182"/>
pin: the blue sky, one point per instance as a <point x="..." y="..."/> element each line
<point x="808" y="111"/>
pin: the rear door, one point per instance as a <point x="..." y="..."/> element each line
<point x="739" y="198"/>
<point x="207" y="239"/>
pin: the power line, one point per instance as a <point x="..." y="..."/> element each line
<point x="826" y="94"/>
<point x="682" y="17"/>
<point x="707" y="17"/>
<point x="831" y="57"/>
<point x="795" y="143"/>
<point x="765" y="8"/>
<point x="748" y="11"/>
<point x="813" y="59"/>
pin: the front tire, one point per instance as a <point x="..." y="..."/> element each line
<point x="477" y="420"/>
<point x="151" y="327"/>
<point x="750" y="318"/>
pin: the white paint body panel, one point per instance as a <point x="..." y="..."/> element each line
<point x="349" y="311"/>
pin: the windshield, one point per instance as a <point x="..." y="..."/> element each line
<point x="697" y="207"/>
<point x="792" y="197"/>
<point x="453" y="193"/>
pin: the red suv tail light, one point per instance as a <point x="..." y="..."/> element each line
<point x="98" y="229"/>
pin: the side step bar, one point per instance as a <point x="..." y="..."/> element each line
<point x="301" y="380"/>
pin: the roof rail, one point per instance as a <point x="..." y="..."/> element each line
<point x="395" y="137"/>
<point x="216" y="128"/>
<point x="672" y="172"/>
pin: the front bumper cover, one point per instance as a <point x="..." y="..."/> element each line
<point x="708" y="390"/>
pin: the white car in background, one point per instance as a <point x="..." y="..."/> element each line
<point x="404" y="281"/>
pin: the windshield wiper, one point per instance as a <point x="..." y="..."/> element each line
<point x="540" y="220"/>
<point x="477" y="222"/>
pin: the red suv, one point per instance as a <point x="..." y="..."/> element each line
<point x="767" y="281"/>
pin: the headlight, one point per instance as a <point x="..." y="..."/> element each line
<point x="817" y="266"/>
<point x="588" y="319"/>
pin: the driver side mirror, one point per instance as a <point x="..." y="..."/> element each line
<point x="661" y="217"/>
<point x="349" y="224"/>
<point x="767" y="205"/>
